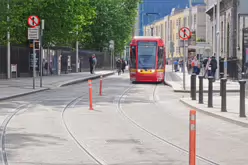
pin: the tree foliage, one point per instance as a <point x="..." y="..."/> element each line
<point x="114" y="20"/>
<point x="61" y="19"/>
<point x="92" y="22"/>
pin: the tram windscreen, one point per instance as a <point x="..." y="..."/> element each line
<point x="147" y="55"/>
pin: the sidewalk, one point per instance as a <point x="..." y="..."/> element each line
<point x="175" y="80"/>
<point x="232" y="114"/>
<point x="23" y="86"/>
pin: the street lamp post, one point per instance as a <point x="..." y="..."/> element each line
<point x="112" y="47"/>
<point x="77" y="52"/>
<point x="8" y="47"/>
<point x="218" y="39"/>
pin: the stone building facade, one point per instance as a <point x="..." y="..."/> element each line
<point x="233" y="18"/>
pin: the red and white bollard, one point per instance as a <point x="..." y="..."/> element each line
<point x="192" y="137"/>
<point x="100" y="89"/>
<point x="90" y="94"/>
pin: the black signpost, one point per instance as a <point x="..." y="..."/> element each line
<point x="245" y="48"/>
<point x="37" y="59"/>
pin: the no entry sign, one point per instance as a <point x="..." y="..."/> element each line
<point x="33" y="21"/>
<point x="185" y="33"/>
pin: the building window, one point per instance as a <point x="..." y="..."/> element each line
<point x="227" y="40"/>
<point x="188" y="21"/>
<point x="161" y="31"/>
<point x="194" y="19"/>
<point x="185" y="21"/>
<point x="177" y="50"/>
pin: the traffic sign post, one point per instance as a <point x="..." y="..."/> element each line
<point x="34" y="64"/>
<point x="184" y="34"/>
<point x="41" y="49"/>
<point x="112" y="47"/>
<point x="33" y="34"/>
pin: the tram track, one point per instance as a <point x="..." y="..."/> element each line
<point x="139" y="126"/>
<point x="4" y="126"/>
<point x="23" y="107"/>
<point x="83" y="147"/>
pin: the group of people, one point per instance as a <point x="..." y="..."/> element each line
<point x="208" y="66"/>
<point x="120" y="65"/>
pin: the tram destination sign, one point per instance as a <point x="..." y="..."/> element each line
<point x="147" y="43"/>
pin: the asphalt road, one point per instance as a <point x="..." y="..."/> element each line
<point x="130" y="125"/>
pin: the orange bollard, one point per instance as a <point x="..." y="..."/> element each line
<point x="192" y="137"/>
<point x="100" y="90"/>
<point x="90" y="94"/>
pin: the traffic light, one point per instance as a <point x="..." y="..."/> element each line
<point x="37" y="44"/>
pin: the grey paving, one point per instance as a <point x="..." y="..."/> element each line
<point x="37" y="135"/>
<point x="23" y="86"/>
<point x="172" y="76"/>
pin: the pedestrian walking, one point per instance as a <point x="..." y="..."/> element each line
<point x="213" y="64"/>
<point x="176" y="66"/>
<point x="118" y="66"/>
<point x="91" y="64"/>
<point x="123" y="65"/>
<point x="94" y="61"/>
<point x="195" y="65"/>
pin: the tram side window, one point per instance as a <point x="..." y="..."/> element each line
<point x="160" y="57"/>
<point x="133" y="57"/>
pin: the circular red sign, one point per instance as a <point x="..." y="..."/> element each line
<point x="33" y="21"/>
<point x="185" y="33"/>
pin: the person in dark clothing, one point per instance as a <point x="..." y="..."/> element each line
<point x="91" y="64"/>
<point x="118" y="66"/>
<point x="213" y="64"/>
<point x="205" y="61"/>
<point x="123" y="65"/>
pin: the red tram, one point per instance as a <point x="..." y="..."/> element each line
<point x="147" y="59"/>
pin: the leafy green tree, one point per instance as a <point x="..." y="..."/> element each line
<point x="114" y="21"/>
<point x="92" y="22"/>
<point x="63" y="19"/>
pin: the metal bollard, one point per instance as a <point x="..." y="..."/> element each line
<point x="210" y="91"/>
<point x="100" y="88"/>
<point x="221" y="76"/>
<point x="200" y="89"/>
<point x="193" y="86"/>
<point x="242" y="98"/>
<point x="223" y="95"/>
